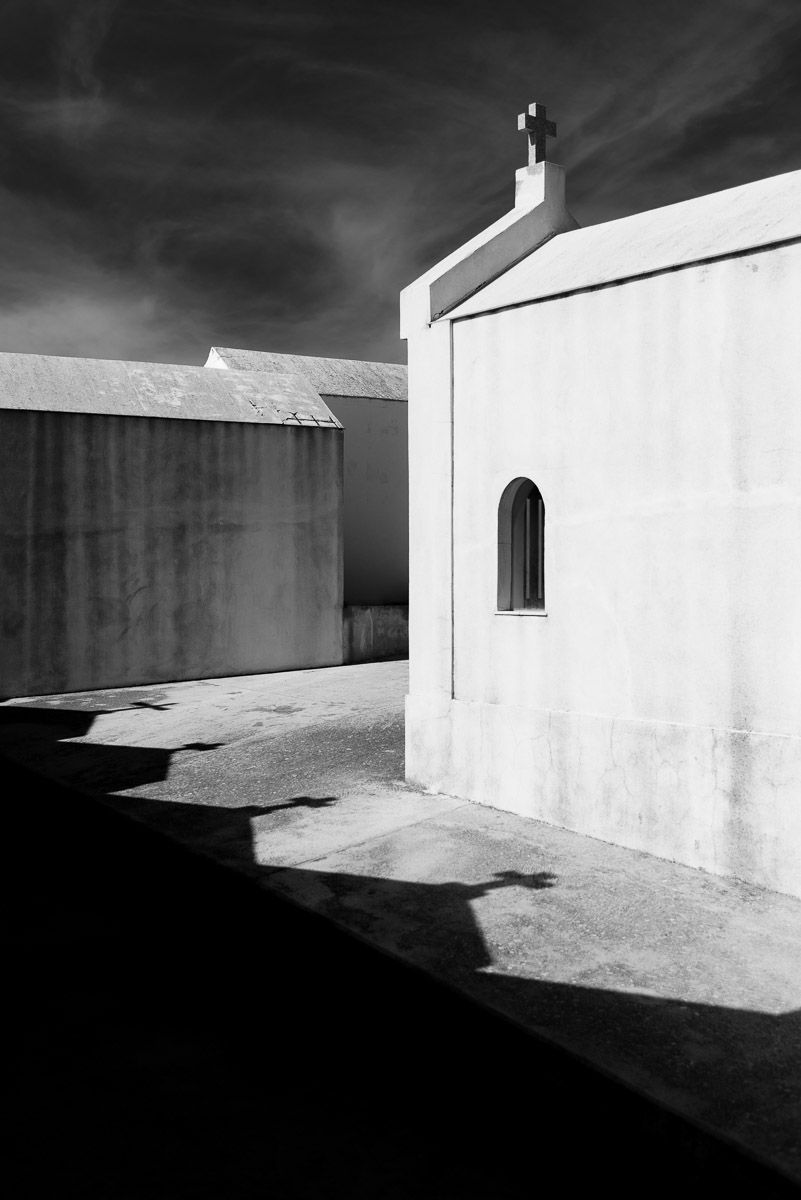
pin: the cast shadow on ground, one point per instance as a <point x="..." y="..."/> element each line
<point x="735" y="1069"/>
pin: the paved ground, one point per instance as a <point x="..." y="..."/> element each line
<point x="686" y="987"/>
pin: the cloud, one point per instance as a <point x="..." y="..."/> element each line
<point x="181" y="174"/>
<point x="86" y="26"/>
<point x="99" y="323"/>
<point x="634" y="149"/>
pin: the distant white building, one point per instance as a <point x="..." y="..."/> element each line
<point x="605" y="474"/>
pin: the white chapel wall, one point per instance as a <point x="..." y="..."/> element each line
<point x="658" y="704"/>
<point x="660" y="419"/>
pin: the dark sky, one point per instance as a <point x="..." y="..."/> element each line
<point x="181" y="173"/>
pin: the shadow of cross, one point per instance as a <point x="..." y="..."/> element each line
<point x="435" y="925"/>
<point x="502" y="879"/>
<point x="217" y="829"/>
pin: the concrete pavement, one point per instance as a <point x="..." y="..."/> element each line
<point x="685" y="986"/>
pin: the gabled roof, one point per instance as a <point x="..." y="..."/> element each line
<point x="713" y="226"/>
<point x="139" y="389"/>
<point x="328" y="376"/>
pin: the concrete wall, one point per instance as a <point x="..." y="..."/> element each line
<point x="372" y="632"/>
<point x="143" y="549"/>
<point x="658" y="704"/>
<point x="376" y="499"/>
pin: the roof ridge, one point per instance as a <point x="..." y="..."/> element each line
<point x="733" y="221"/>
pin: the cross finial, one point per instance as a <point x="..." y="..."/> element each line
<point x="538" y="129"/>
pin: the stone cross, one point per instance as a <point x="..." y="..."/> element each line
<point x="538" y="129"/>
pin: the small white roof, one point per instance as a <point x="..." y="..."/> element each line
<point x="722" y="223"/>
<point x="328" y="376"/>
<point x="51" y="383"/>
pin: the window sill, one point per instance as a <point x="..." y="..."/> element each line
<point x="521" y="612"/>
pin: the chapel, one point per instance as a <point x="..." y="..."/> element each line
<point x="605" y="522"/>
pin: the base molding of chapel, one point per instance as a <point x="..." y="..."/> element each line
<point x="721" y="800"/>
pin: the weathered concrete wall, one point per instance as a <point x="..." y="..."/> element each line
<point x="140" y="549"/>
<point x="658" y="704"/>
<point x="372" y="632"/>
<point x="376" y="499"/>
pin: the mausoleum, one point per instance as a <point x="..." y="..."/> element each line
<point x="605" y="522"/>
<point x="369" y="401"/>
<point x="163" y="522"/>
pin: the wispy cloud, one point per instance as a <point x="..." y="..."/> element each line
<point x="271" y="175"/>
<point x="86" y="26"/>
<point x="641" y="145"/>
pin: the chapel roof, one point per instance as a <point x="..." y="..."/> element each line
<point x="737" y="220"/>
<point x="328" y="376"/>
<point x="142" y="389"/>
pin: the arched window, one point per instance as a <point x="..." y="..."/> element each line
<point x="521" y="547"/>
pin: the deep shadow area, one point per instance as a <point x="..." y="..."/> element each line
<point x="178" y="1032"/>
